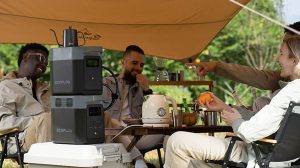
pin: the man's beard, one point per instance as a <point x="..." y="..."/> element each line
<point x="129" y="78"/>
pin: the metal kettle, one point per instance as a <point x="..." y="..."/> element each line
<point x="69" y="37"/>
<point x="155" y="109"/>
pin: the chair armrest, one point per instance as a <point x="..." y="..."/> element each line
<point x="8" y="131"/>
<point x="230" y="134"/>
<point x="266" y="140"/>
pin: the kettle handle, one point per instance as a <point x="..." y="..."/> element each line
<point x="175" y="111"/>
<point x="56" y="38"/>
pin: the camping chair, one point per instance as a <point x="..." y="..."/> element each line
<point x="157" y="147"/>
<point x="4" y="137"/>
<point x="285" y="146"/>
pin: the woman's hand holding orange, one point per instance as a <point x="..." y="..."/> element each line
<point x="212" y="102"/>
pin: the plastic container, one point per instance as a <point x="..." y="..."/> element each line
<point x="50" y="155"/>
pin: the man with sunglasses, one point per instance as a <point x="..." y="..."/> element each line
<point x="25" y="101"/>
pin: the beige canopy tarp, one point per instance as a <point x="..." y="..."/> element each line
<point x="175" y="29"/>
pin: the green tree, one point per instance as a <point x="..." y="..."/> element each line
<point x="248" y="40"/>
<point x="9" y="57"/>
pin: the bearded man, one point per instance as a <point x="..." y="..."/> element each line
<point x="133" y="85"/>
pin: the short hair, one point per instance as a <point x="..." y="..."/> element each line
<point x="295" y="26"/>
<point x="31" y="46"/>
<point x="133" y="48"/>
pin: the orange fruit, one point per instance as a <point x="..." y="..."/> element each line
<point x="203" y="97"/>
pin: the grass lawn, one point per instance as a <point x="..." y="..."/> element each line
<point x="10" y="164"/>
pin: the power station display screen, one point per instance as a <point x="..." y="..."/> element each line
<point x="92" y="62"/>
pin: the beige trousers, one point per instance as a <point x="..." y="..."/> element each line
<point x="38" y="131"/>
<point x="186" y="149"/>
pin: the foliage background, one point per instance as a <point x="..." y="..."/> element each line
<point x="248" y="40"/>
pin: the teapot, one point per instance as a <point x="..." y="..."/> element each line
<point x="155" y="110"/>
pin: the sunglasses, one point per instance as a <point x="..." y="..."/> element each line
<point x="39" y="56"/>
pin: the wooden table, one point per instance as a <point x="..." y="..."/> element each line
<point x="138" y="131"/>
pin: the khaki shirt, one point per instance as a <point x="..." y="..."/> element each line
<point x="17" y="105"/>
<point x="135" y="98"/>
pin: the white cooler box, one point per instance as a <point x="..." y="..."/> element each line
<point x="50" y="155"/>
